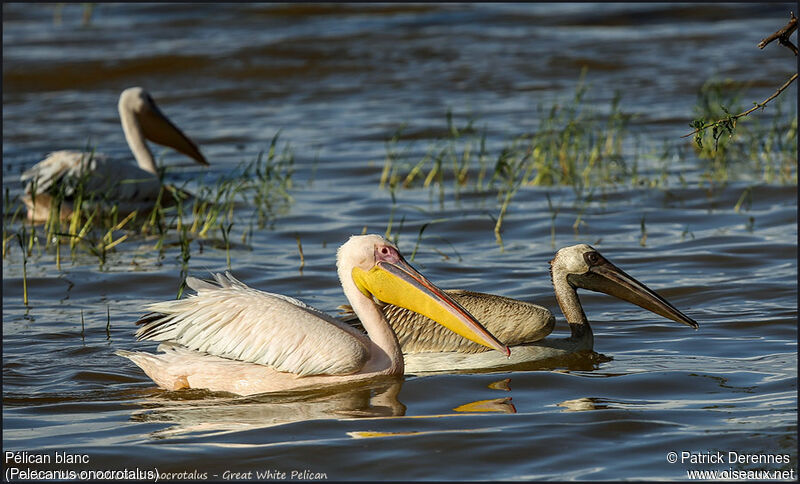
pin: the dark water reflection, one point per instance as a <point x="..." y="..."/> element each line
<point x="338" y="81"/>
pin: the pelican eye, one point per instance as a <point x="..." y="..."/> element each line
<point x="592" y="258"/>
<point x="386" y="253"/>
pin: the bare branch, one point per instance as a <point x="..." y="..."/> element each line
<point x="758" y="105"/>
<point x="783" y="35"/>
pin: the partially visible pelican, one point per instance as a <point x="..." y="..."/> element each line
<point x="115" y="181"/>
<point x="232" y="338"/>
<point x="522" y="325"/>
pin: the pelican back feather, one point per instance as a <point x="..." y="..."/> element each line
<point x="231" y="320"/>
<point x="96" y="172"/>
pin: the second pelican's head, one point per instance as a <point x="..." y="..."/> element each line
<point x="379" y="271"/>
<point x="582" y="266"/>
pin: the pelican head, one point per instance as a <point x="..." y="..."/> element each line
<point x="379" y="272"/>
<point x="141" y="117"/>
<point x="582" y="266"/>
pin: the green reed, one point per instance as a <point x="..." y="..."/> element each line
<point x="108" y="323"/>
<point x="20" y="238"/>
<point x="758" y="147"/>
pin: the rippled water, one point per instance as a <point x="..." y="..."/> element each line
<point x="337" y="81"/>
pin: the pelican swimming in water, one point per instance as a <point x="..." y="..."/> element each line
<point x="115" y="181"/>
<point x="522" y="325"/>
<point x="232" y="338"/>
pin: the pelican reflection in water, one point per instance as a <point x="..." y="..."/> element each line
<point x="522" y="325"/>
<point x="232" y="338"/>
<point x="116" y="181"/>
<point x="220" y="413"/>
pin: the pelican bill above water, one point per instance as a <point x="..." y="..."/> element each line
<point x="232" y="338"/>
<point x="521" y="325"/>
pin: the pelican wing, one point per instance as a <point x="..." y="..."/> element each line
<point x="99" y="175"/>
<point x="231" y="320"/>
<point x="59" y="166"/>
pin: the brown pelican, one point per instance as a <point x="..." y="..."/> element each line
<point x="115" y="181"/>
<point x="232" y="338"/>
<point x="522" y="325"/>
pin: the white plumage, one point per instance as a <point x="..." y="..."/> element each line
<point x="231" y="320"/>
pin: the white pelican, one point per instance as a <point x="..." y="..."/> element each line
<point x="522" y="325"/>
<point x="132" y="186"/>
<point x="232" y="338"/>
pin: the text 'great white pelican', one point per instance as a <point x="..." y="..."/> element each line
<point x="108" y="180"/>
<point x="522" y="325"/>
<point x="232" y="338"/>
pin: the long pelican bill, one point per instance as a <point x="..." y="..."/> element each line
<point x="603" y="276"/>
<point x="158" y="128"/>
<point x="394" y="281"/>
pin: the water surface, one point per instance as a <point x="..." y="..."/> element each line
<point x="337" y="81"/>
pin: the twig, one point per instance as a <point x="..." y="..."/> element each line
<point x="783" y="35"/>
<point x="758" y="105"/>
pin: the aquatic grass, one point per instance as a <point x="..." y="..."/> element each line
<point x="589" y="147"/>
<point x="572" y="145"/>
<point x="300" y="250"/>
<point x="576" y="144"/>
<point x="96" y="225"/>
<point x="9" y="218"/>
<point x="20" y="238"/>
<point x="643" y="238"/>
<point x="745" y="199"/>
<point x="764" y="149"/>
<point x="186" y="255"/>
<point x="419" y="238"/>
<point x="453" y="247"/>
<point x="226" y="230"/>
<point x="389" y="173"/>
<point x="272" y="180"/>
